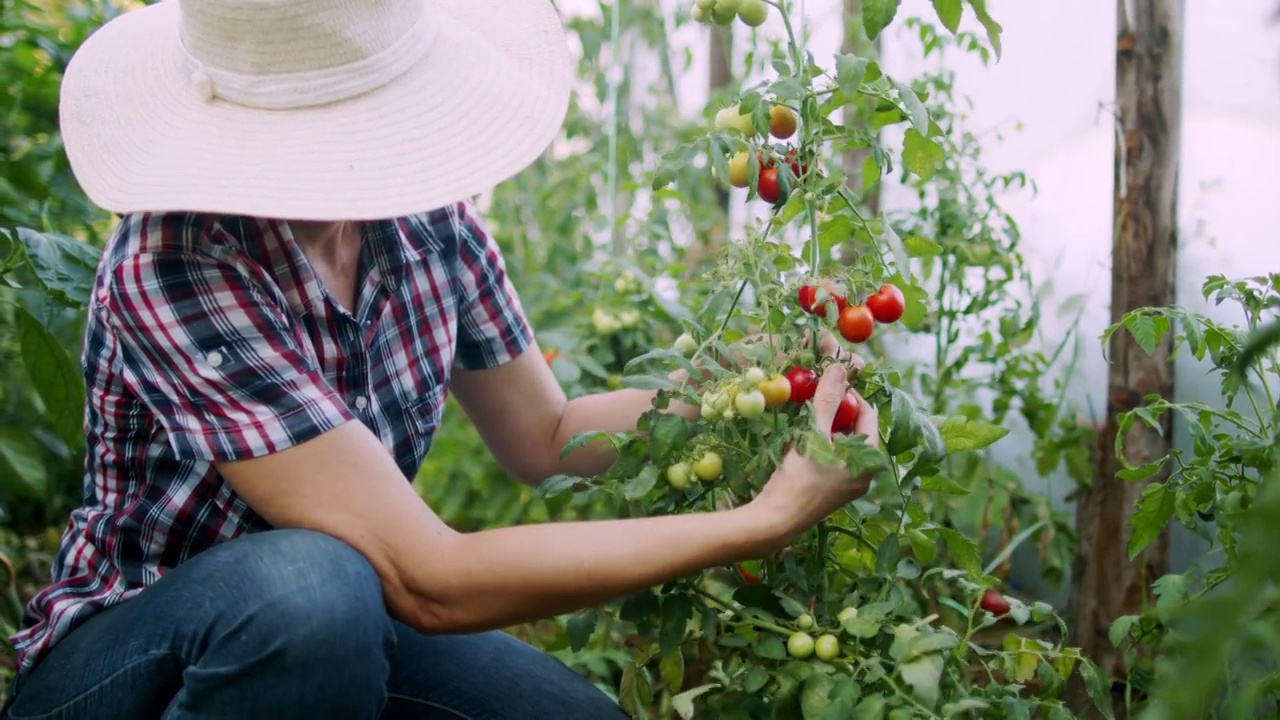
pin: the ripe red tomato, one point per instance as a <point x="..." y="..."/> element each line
<point x="856" y="323"/>
<point x="994" y="603"/>
<point x="797" y="168"/>
<point x="749" y="571"/>
<point x="887" y="304"/>
<point x="803" y="384"/>
<point x="550" y="355"/>
<point x="767" y="186"/>
<point x="808" y="298"/>
<point x="846" y="414"/>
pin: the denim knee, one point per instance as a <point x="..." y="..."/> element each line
<point x="311" y="593"/>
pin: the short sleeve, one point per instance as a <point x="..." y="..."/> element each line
<point x="211" y="352"/>
<point x="492" y="326"/>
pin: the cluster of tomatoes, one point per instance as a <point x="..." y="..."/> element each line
<point x="826" y="647"/>
<point x="723" y="12"/>
<point x="783" y="123"/>
<point x="856" y="323"/>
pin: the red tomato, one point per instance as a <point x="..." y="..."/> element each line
<point x="856" y="323"/>
<point x="803" y="384"/>
<point x="749" y="572"/>
<point x="550" y="355"/>
<point x="887" y="304"/>
<point x="808" y="298"/>
<point x="797" y="168"/>
<point x="994" y="603"/>
<point x="846" y="414"/>
<point x="767" y="186"/>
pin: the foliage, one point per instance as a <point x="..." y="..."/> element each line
<point x="1221" y="612"/>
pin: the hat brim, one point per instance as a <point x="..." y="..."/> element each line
<point x="484" y="103"/>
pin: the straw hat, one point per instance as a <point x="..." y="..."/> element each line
<point x="313" y="109"/>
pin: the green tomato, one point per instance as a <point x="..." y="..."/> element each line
<point x="728" y="5"/>
<point x="629" y="318"/>
<point x="686" y="345"/>
<point x="847" y="615"/>
<point x="705" y="4"/>
<point x="750" y="405"/>
<point x="805" y="621"/>
<point x="753" y="12"/>
<point x="604" y="323"/>
<point x="614" y="382"/>
<point x="729" y="119"/>
<point x="709" y="466"/>
<point x="699" y="14"/>
<point x="754" y="376"/>
<point x="827" y="647"/>
<point x="678" y="475"/>
<point x="800" y="645"/>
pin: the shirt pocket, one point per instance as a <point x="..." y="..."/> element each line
<point x="422" y="420"/>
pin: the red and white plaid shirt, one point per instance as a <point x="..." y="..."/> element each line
<point x="210" y="339"/>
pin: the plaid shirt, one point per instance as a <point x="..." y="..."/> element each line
<point x="210" y="339"/>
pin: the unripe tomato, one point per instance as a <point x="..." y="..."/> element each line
<point x="846" y="414"/>
<point x="629" y="318"/>
<point x="614" y="382"/>
<point x="604" y="323"/>
<point x="887" y="304"/>
<point x="678" y="475"/>
<point x="804" y="383"/>
<point x="754" y="376"/>
<point x="730" y="119"/>
<point x="699" y="14"/>
<point x="753" y="12"/>
<point x="724" y="14"/>
<point x="711" y="408"/>
<point x="705" y="4"/>
<point x="709" y="466"/>
<point x="740" y="170"/>
<point x="827" y="647"/>
<point x="777" y="391"/>
<point x="856" y="323"/>
<point x="994" y="603"/>
<point x="800" y="645"/>
<point x="808" y="298"/>
<point x="805" y="621"/>
<point x="685" y="345"/>
<point x="782" y="122"/>
<point x="767" y="186"/>
<point x="846" y="615"/>
<point x="750" y="404"/>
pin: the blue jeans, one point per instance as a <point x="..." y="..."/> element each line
<point x="289" y="624"/>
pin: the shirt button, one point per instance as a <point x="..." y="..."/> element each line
<point x="214" y="359"/>
<point x="362" y="402"/>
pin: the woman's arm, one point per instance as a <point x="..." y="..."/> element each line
<point x="345" y="484"/>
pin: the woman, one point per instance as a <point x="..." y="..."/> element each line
<point x="295" y="282"/>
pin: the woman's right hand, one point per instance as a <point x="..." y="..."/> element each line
<point x="802" y="492"/>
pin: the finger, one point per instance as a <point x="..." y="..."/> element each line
<point x="868" y="422"/>
<point x="831" y="388"/>
<point x="829" y="345"/>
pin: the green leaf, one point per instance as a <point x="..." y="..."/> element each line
<point x="963" y="705"/>
<point x="961" y="434"/>
<point x="992" y="27"/>
<point x="815" y="697"/>
<point x="1121" y="628"/>
<point x="888" y="555"/>
<point x="54" y="376"/>
<point x="943" y="484"/>
<point x="580" y="628"/>
<point x="1098" y="687"/>
<point x="921" y="155"/>
<point x="676" y="611"/>
<point x="949" y="12"/>
<point x="915" y="109"/>
<point x="923" y="674"/>
<point x="21" y="453"/>
<point x="672" y="163"/>
<point x="877" y="14"/>
<point x="671" y="669"/>
<point x="584" y="439"/>
<point x="1143" y="329"/>
<point x="557" y="484"/>
<point x="668" y="436"/>
<point x="871" y="708"/>
<point x="963" y="551"/>
<point x="930" y="643"/>
<point x="683" y="703"/>
<point x="851" y="70"/>
<point x="870" y="171"/>
<point x="1143" y="472"/>
<point x="648" y="382"/>
<point x="642" y="483"/>
<point x="921" y="247"/>
<point x="870" y="619"/>
<point x="1155" y="508"/>
<point x="64" y="267"/>
<point x="771" y="648"/>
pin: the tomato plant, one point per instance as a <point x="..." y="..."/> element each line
<point x="878" y="610"/>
